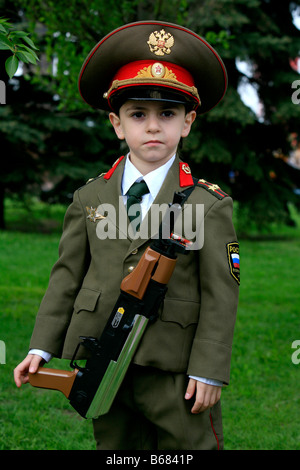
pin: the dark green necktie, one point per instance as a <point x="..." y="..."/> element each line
<point x="135" y="193"/>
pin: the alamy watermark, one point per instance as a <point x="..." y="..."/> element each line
<point x="2" y="92"/>
<point x="296" y="94"/>
<point x="2" y="353"/>
<point x="296" y="354"/>
<point x="161" y="221"/>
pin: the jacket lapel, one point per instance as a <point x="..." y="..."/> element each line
<point x="111" y="201"/>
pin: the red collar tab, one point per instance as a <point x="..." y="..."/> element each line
<point x="113" y="168"/>
<point x="185" y="175"/>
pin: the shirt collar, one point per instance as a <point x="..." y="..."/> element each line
<point x="154" y="179"/>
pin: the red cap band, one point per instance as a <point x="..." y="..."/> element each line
<point x="154" y="69"/>
<point x="151" y="72"/>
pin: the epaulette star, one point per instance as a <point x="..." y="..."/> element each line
<point x="95" y="178"/>
<point x="212" y="189"/>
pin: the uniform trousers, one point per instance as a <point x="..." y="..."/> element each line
<point x="151" y="413"/>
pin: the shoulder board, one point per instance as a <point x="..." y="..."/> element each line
<point x="212" y="189"/>
<point x="108" y="174"/>
<point x="95" y="178"/>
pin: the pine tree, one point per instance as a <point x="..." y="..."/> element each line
<point x="237" y="147"/>
<point x="230" y="145"/>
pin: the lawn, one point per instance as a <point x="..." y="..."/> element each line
<point x="261" y="404"/>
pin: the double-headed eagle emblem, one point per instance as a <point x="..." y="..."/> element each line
<point x="160" y="42"/>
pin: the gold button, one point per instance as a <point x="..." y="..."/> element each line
<point x="131" y="268"/>
<point x="134" y="252"/>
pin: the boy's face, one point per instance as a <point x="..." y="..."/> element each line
<point x="152" y="130"/>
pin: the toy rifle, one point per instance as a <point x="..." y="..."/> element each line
<point x="91" y="389"/>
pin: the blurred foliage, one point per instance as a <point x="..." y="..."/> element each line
<point x="51" y="131"/>
<point x="20" y="45"/>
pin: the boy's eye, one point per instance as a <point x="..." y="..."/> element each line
<point x="138" y="114"/>
<point x="168" y="113"/>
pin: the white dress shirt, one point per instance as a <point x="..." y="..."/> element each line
<point x="154" y="181"/>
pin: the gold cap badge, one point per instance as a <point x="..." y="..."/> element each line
<point x="158" y="70"/>
<point x="160" y="42"/>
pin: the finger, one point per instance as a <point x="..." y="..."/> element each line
<point x="35" y="363"/>
<point x="21" y="370"/>
<point x="190" y="389"/>
<point x="207" y="396"/>
<point x="218" y="394"/>
<point x="31" y="364"/>
<point x="199" y="405"/>
<point x="17" y="377"/>
<point x="203" y="396"/>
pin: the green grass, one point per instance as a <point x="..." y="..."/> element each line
<point x="260" y="406"/>
<point x="31" y="418"/>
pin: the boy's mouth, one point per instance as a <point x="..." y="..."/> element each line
<point x="153" y="142"/>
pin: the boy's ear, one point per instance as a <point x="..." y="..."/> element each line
<point x="189" y="119"/>
<point x="116" y="123"/>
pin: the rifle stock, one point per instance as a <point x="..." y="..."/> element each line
<point x="54" y="379"/>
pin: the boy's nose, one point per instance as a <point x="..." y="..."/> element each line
<point x="153" y="124"/>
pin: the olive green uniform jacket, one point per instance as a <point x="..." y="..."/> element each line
<point x="194" y="331"/>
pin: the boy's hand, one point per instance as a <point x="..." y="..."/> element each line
<point x="30" y="364"/>
<point x="206" y="395"/>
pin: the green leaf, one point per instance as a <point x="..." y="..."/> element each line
<point x="11" y="66"/>
<point x="22" y="57"/>
<point x="6" y="41"/>
<point x="26" y="57"/>
<point x="30" y="43"/>
<point x="4" y="47"/>
<point x="3" y="29"/>
<point x="4" y="25"/>
<point x="22" y="47"/>
<point x="19" y="34"/>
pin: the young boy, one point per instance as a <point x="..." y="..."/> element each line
<point x="153" y="78"/>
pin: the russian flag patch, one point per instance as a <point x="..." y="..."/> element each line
<point x="233" y="255"/>
<point x="235" y="260"/>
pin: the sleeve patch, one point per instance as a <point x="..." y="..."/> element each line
<point x="233" y="255"/>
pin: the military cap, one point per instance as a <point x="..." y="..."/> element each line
<point x="153" y="60"/>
